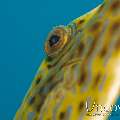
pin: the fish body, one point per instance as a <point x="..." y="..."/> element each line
<point x="80" y="76"/>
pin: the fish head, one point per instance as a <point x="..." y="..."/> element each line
<point x="80" y="63"/>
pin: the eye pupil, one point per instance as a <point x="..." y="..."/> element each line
<point x="53" y="40"/>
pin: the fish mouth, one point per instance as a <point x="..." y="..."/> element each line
<point x="72" y="62"/>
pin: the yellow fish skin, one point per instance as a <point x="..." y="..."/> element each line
<point x="80" y="77"/>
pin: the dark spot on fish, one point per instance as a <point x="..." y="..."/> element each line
<point x="35" y="118"/>
<point x="118" y="44"/>
<point x="49" y="59"/>
<point x="39" y="107"/>
<point x="115" y="27"/>
<point x="38" y="80"/>
<point x="41" y="90"/>
<point x="32" y="100"/>
<point x="81" y="48"/>
<point x="115" y="5"/>
<point x="95" y="27"/>
<point x="51" y="78"/>
<point x="97" y="79"/>
<point x="103" y="52"/>
<point x="41" y="102"/>
<point x="81" y="105"/>
<point x="78" y="27"/>
<point x="82" y="77"/>
<point x="48" y="119"/>
<point x="62" y="115"/>
<point x="81" y="21"/>
<point x="52" y="85"/>
<point x="48" y="87"/>
<point x="101" y="8"/>
<point x="49" y="66"/>
<point x="93" y="46"/>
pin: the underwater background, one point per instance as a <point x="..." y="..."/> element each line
<point x="24" y="25"/>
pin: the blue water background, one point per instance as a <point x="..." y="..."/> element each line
<point x="24" y="25"/>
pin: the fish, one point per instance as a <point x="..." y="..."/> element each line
<point x="79" y="79"/>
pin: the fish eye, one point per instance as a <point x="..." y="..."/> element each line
<point x="56" y="41"/>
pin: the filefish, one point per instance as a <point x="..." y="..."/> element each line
<point x="79" y="79"/>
